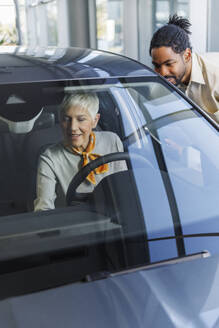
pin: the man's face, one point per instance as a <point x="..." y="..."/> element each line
<point x="169" y="64"/>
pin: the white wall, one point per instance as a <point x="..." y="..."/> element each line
<point x="199" y="20"/>
<point x="76" y="25"/>
<point x="63" y="27"/>
<point x="213" y="27"/>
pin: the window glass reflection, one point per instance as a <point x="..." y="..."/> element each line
<point x="172" y="176"/>
<point x="51" y="10"/>
<point x="109" y="15"/>
<point x="8" y="35"/>
<point x="164" y="8"/>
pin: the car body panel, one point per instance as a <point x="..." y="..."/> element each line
<point x="52" y="261"/>
<point x="176" y="295"/>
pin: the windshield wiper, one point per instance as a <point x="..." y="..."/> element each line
<point x="106" y="274"/>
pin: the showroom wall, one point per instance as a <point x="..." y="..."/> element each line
<point x="122" y="26"/>
<point x="213" y="32"/>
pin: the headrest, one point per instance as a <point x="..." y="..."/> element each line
<point x="44" y="121"/>
<point x="21" y="126"/>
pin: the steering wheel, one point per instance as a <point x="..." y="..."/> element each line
<point x="72" y="195"/>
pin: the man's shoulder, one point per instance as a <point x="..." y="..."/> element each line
<point x="208" y="64"/>
<point x="210" y="61"/>
<point x="211" y="57"/>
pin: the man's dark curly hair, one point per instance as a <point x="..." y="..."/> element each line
<point x="174" y="34"/>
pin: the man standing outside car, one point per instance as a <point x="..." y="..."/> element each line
<point x="194" y="74"/>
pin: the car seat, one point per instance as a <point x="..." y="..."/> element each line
<point x="46" y="131"/>
<point x="20" y="149"/>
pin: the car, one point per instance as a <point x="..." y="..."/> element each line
<point x="141" y="249"/>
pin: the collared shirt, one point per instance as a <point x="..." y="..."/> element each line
<point x="203" y="87"/>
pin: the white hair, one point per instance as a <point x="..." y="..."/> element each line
<point x="89" y="101"/>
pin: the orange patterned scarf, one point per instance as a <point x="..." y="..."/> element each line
<point x="87" y="155"/>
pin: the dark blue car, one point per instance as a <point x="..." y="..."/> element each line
<point x="141" y="249"/>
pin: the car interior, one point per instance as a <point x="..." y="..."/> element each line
<point x="116" y="226"/>
<point x="22" y="141"/>
<point x="28" y="125"/>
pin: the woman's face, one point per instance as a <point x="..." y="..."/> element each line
<point x="77" y="125"/>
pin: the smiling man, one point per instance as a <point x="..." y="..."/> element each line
<point x="194" y="74"/>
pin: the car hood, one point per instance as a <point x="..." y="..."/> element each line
<point x="176" y="295"/>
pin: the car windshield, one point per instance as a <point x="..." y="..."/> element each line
<point x="159" y="201"/>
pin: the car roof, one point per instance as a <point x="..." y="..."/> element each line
<point x="23" y="64"/>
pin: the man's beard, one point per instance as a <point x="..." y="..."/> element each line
<point x="178" y="80"/>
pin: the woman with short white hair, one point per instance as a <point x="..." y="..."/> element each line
<point x="85" y="100"/>
<point x="59" y="163"/>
